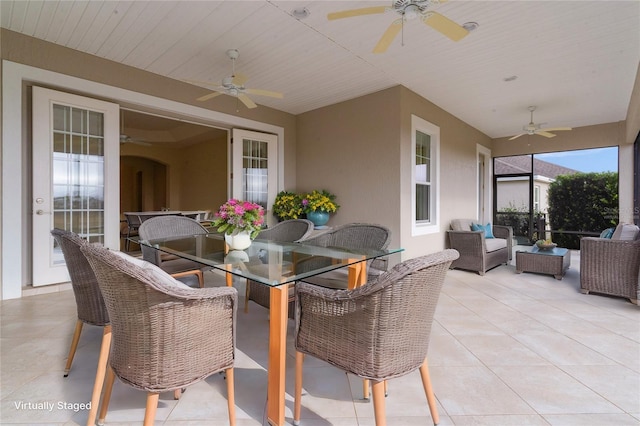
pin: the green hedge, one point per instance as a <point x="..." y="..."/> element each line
<point x="586" y="202"/>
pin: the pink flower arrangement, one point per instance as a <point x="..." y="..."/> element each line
<point x="241" y="216"/>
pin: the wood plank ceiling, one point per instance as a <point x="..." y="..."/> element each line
<point x="576" y="60"/>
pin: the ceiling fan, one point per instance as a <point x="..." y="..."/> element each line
<point x="408" y="10"/>
<point x="124" y="138"/>
<point x="233" y="85"/>
<point x="534" y="129"/>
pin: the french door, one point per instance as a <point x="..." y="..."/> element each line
<point x="254" y="161"/>
<point x="76" y="179"/>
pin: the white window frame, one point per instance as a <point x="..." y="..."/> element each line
<point x="433" y="225"/>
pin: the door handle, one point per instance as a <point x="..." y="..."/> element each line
<point x="39" y="212"/>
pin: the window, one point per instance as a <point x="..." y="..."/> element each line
<point x="536" y="198"/>
<point x="425" y="176"/>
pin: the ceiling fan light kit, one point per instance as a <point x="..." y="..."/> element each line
<point x="409" y="10"/>
<point x="233" y="85"/>
<point x="535" y="129"/>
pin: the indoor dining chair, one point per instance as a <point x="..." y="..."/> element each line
<point x="379" y="331"/>
<point x="165" y="335"/>
<point x="171" y="226"/>
<point x="89" y="304"/>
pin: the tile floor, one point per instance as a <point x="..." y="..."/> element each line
<point x="506" y="349"/>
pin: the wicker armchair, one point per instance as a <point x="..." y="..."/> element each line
<point x="286" y="231"/>
<point x="478" y="253"/>
<point x="351" y="236"/>
<point x="171" y="226"/>
<point x="378" y="331"/>
<point x="90" y="306"/>
<point x="166" y="335"/>
<point x="610" y="267"/>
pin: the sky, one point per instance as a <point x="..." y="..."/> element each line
<point x="585" y="160"/>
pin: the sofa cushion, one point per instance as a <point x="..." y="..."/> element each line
<point x="625" y="232"/>
<point x="607" y="233"/>
<point x="494" y="244"/>
<point x="488" y="233"/>
<point x="461" y="224"/>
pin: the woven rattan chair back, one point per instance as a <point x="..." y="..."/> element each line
<point x="166" y="226"/>
<point x="89" y="302"/>
<point x="351" y="236"/>
<point x="285" y="231"/>
<point x="165" y="336"/>
<point x="171" y="226"/>
<point x="378" y="331"/>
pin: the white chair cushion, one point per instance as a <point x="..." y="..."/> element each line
<point x="158" y="274"/>
<point x="461" y="224"/>
<point x="625" y="232"/>
<point x="494" y="244"/>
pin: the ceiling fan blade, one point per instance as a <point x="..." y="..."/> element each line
<point x="356" y="12"/>
<point x="445" y="26"/>
<point x="209" y="96"/>
<point x="556" y="129"/>
<point x="517" y="136"/>
<point x="545" y="134"/>
<point x="247" y="101"/>
<point x="239" y="79"/>
<point x="388" y="36"/>
<point x="261" y="92"/>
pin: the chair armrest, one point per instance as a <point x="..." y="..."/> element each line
<point x="501" y="231"/>
<point x="467" y="242"/>
<point x="505" y="232"/>
<point x="202" y="323"/>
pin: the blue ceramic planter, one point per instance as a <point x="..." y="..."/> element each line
<point x="318" y="218"/>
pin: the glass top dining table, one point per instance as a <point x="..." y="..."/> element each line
<point x="271" y="263"/>
<point x="277" y="265"/>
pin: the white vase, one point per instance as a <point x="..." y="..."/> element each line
<point x="238" y="240"/>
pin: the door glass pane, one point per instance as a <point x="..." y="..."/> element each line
<point x="254" y="171"/>
<point x="78" y="173"/>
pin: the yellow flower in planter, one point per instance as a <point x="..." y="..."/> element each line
<point x="287" y="205"/>
<point x="319" y="201"/>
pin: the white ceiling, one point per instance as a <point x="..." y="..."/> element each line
<point x="575" y="60"/>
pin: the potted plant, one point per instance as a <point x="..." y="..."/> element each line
<point x="287" y="205"/>
<point x="318" y="205"/>
<point x="240" y="222"/>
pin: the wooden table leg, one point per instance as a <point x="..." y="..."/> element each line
<point x="357" y="274"/>
<point x="278" y="316"/>
<point x="229" y="276"/>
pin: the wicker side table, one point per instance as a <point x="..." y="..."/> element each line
<point x="553" y="262"/>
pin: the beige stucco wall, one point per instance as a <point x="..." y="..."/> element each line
<point x="361" y="150"/>
<point x="351" y="149"/>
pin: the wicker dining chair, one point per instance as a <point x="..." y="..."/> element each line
<point x="356" y="236"/>
<point x="378" y="331"/>
<point x="286" y="231"/>
<point x="171" y="226"/>
<point x="89" y="304"/>
<point x="165" y="335"/>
